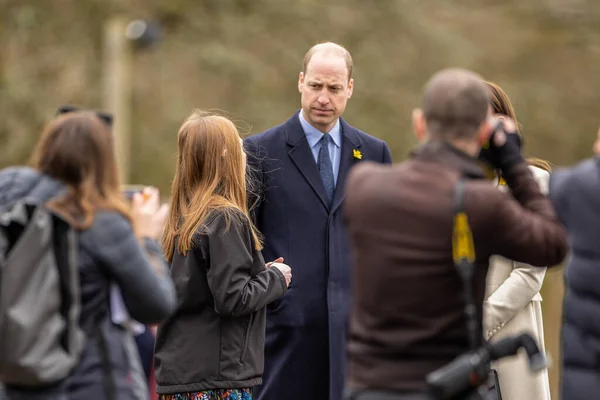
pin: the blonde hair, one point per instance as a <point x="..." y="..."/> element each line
<point x="210" y="176"/>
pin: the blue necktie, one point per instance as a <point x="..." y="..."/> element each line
<point x="325" y="168"/>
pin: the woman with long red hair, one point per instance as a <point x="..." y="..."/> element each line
<point x="212" y="347"/>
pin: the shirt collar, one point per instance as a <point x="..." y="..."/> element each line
<point x="313" y="135"/>
<point x="444" y="153"/>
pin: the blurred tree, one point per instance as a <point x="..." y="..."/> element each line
<point x="244" y="57"/>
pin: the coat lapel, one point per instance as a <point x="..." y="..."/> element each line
<point x="350" y="142"/>
<point x="302" y="157"/>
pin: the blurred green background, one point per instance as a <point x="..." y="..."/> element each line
<point x="243" y="56"/>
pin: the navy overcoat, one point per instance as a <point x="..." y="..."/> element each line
<point x="575" y="195"/>
<point x="305" y="344"/>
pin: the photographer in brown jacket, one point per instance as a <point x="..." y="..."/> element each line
<point x="408" y="309"/>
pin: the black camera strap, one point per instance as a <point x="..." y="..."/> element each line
<point x="463" y="254"/>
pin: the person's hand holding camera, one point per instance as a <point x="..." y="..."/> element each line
<point x="148" y="214"/>
<point x="149" y="218"/>
<point x="504" y="146"/>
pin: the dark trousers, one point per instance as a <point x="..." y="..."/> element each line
<point x="379" y="395"/>
<point x="54" y="392"/>
<point x="145" y="346"/>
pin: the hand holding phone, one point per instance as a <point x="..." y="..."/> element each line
<point x="148" y="214"/>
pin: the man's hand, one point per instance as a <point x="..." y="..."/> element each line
<point x="504" y="145"/>
<point x="503" y="126"/>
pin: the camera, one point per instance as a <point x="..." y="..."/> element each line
<point x="488" y="154"/>
<point x="467" y="376"/>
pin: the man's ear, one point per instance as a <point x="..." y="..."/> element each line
<point x="300" y="81"/>
<point x="484" y="133"/>
<point x="350" y="87"/>
<point x="419" y="124"/>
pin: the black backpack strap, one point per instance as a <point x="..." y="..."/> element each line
<point x="463" y="254"/>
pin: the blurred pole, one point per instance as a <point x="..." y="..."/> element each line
<point x="117" y="90"/>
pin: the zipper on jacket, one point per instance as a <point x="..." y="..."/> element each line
<point x="246" y="338"/>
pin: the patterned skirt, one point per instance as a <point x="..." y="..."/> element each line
<point x="214" y="394"/>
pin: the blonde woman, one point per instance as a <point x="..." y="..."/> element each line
<point x="513" y="301"/>
<point x="212" y="347"/>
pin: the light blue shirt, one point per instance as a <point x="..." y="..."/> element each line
<point x="335" y="145"/>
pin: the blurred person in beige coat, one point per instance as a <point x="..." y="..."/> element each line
<point x="513" y="301"/>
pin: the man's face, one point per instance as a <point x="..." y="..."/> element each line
<point x="325" y="90"/>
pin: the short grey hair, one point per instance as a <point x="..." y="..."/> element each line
<point x="455" y="103"/>
<point x="329" y="48"/>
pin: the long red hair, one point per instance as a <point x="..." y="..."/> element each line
<point x="210" y="175"/>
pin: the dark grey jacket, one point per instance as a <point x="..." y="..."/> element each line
<point x="575" y="193"/>
<point x="216" y="337"/>
<point x="108" y="252"/>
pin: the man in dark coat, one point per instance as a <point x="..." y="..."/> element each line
<point x="301" y="167"/>
<point x="574" y="194"/>
<point x="408" y="315"/>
